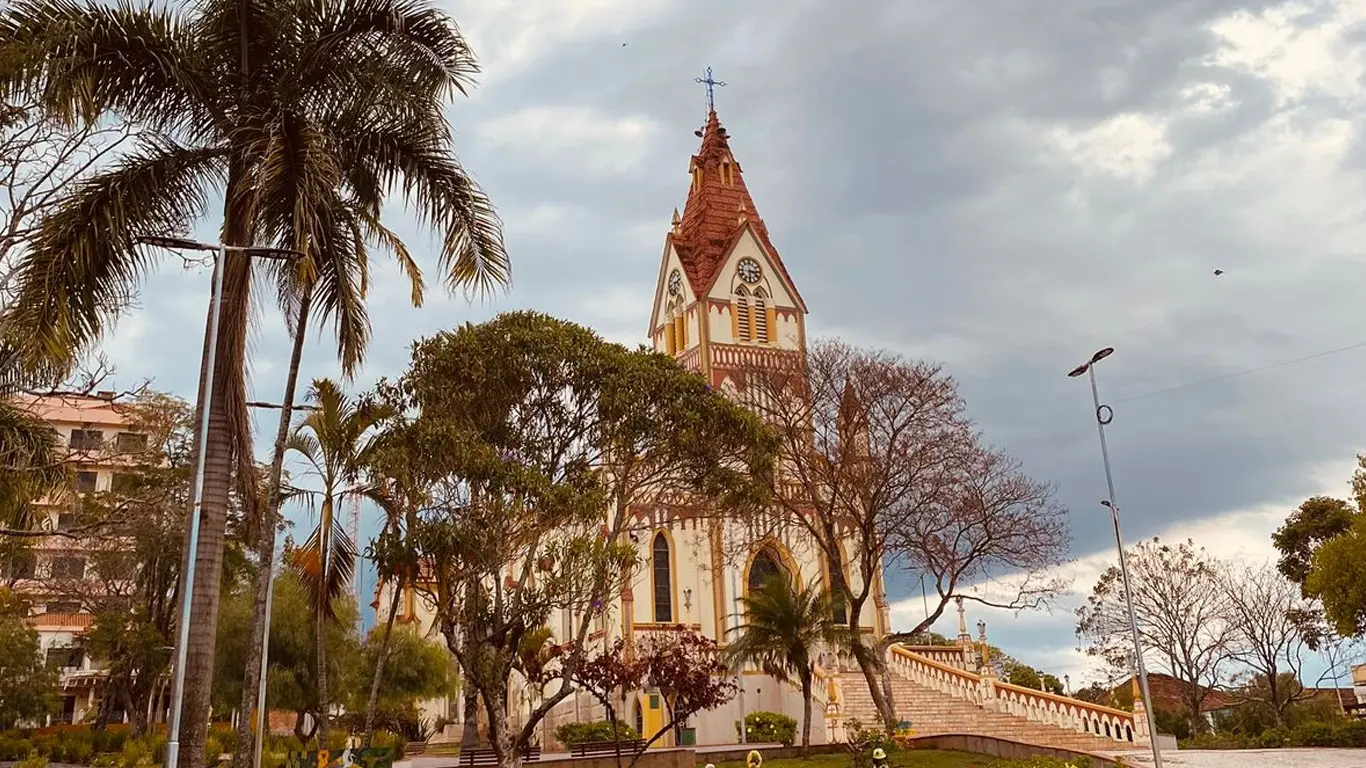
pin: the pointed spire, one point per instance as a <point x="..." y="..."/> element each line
<point x="677" y="221"/>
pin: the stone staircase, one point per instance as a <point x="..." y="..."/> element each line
<point x="938" y="697"/>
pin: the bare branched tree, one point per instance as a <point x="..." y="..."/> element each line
<point x="879" y="464"/>
<point x="1273" y="630"/>
<point x="1185" y="619"/>
<point x="39" y="160"/>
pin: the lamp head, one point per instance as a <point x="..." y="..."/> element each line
<point x="1079" y="370"/>
<point x="1102" y="354"/>
<point x="174" y="242"/>
<point x="1106" y="503"/>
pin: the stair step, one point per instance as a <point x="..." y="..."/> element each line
<point x="933" y="712"/>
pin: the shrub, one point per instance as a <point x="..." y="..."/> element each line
<point x="862" y="741"/>
<point x="596" y="730"/>
<point x="1272" y="738"/>
<point x="32" y="761"/>
<point x="390" y="740"/>
<point x="769" y="728"/>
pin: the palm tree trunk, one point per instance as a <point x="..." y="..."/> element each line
<point x="242" y="757"/>
<point x="373" y="705"/>
<point x="228" y="400"/>
<point x="806" y="712"/>
<point x="320" y="630"/>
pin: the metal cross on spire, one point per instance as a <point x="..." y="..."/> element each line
<point x="711" y="84"/>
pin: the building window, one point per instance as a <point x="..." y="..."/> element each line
<point x="86" y="482"/>
<point x="663" y="575"/>
<point x="764" y="566"/>
<point x="740" y="315"/>
<point x="86" y="440"/>
<point x="680" y="329"/>
<point x="62" y="658"/>
<point x="131" y="442"/>
<point x="66" y="520"/>
<point x="760" y="313"/>
<point x="123" y="483"/>
<point x="18" y="565"/>
<point x="68" y="567"/>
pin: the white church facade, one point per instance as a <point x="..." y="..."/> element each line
<point x="724" y="303"/>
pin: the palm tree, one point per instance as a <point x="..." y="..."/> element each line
<point x="335" y="439"/>
<point x="783" y="628"/>
<point x="304" y="114"/>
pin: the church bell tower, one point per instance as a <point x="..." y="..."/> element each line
<point x="724" y="302"/>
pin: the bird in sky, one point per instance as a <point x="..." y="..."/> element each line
<point x="1218" y="272"/>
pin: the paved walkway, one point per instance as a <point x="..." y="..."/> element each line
<point x="1254" y="758"/>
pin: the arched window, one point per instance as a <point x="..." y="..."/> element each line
<point x="662" y="569"/>
<point x="680" y="328"/>
<point x="764" y="566"/>
<point x="760" y="314"/>
<point x="741" y="321"/>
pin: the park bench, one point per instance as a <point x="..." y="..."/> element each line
<point x="487" y="757"/>
<point x="594" y="748"/>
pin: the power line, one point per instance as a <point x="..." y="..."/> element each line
<point x="1235" y="375"/>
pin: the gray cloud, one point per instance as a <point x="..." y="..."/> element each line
<point x="1004" y="187"/>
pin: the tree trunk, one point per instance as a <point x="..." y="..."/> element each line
<point x="373" y="705"/>
<point x="469" y="734"/>
<point x="264" y="547"/>
<point x="873" y="675"/>
<point x="501" y="737"/>
<point x="806" y="713"/>
<point x="320" y="632"/>
<point x="225" y="418"/>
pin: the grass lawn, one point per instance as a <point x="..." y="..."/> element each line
<point x="906" y="758"/>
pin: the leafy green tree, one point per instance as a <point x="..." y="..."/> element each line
<point x="291" y="683"/>
<point x="335" y="439"/>
<point x="28" y="689"/>
<point x="304" y="115"/>
<point x="1318" y="520"/>
<point x="137" y="560"/>
<point x="520" y="433"/>
<point x="419" y="669"/>
<point x="785" y="627"/>
<point x="1316" y="543"/>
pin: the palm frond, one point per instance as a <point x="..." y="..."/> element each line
<point x="358" y="45"/>
<point x="32" y="465"/>
<point x="77" y="274"/>
<point x="307" y="562"/>
<point x="415" y="156"/>
<point x="83" y="59"/>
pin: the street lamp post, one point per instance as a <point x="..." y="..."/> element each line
<point x="1104" y="415"/>
<point x="261" y="718"/>
<point x="205" y="402"/>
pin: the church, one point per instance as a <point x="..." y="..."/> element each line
<point x="724" y="303"/>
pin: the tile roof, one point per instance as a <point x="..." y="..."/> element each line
<point x="718" y="210"/>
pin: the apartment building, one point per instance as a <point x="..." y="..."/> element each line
<point x="56" y="574"/>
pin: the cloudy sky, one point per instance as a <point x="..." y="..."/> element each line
<point x="1003" y="187"/>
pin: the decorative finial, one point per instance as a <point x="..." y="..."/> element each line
<point x="744" y="215"/>
<point x="677" y="221"/>
<point x="962" y="616"/>
<point x="711" y="84"/>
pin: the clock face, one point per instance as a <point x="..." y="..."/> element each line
<point x="749" y="270"/>
<point x="675" y="283"/>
